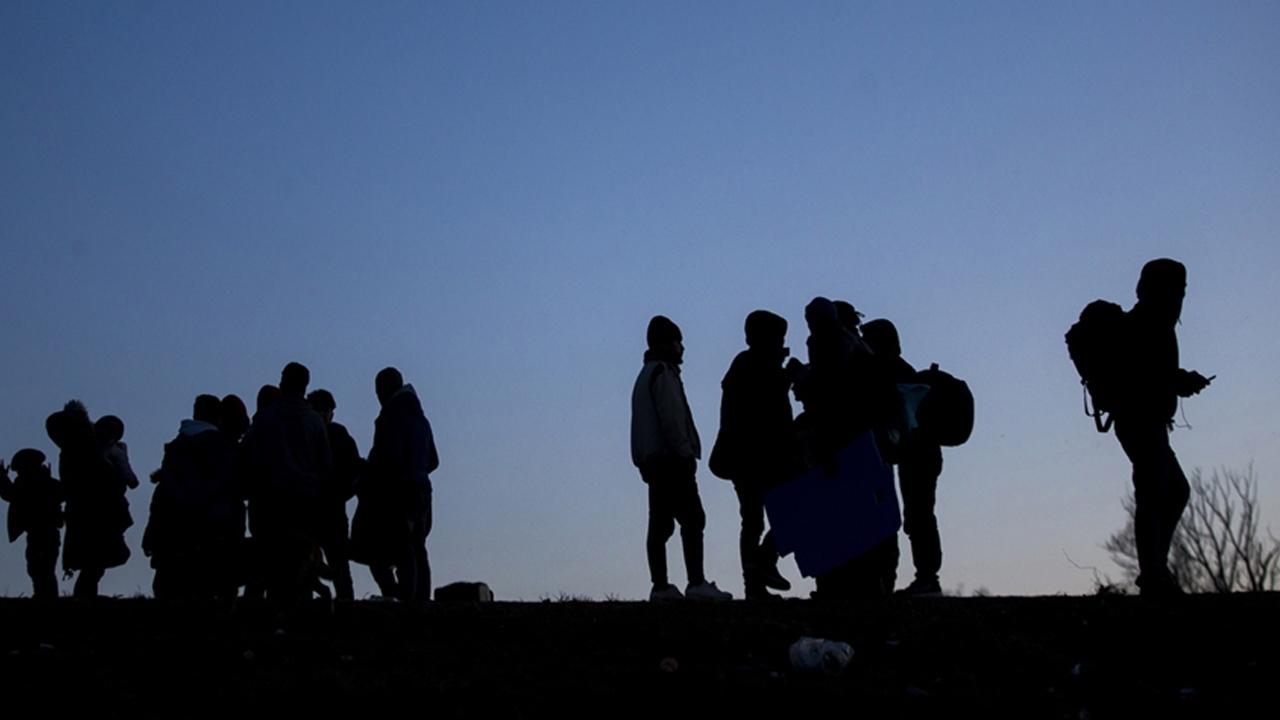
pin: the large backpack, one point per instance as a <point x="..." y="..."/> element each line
<point x="1094" y="343"/>
<point x="945" y="415"/>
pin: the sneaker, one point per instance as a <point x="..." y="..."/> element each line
<point x="921" y="588"/>
<point x="706" y="590"/>
<point x="665" y="593"/>
<point x="1160" y="586"/>
<point x="754" y="594"/>
<point x="771" y="578"/>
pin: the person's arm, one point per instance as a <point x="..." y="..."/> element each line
<point x="1190" y="382"/>
<point x="432" y="457"/>
<point x="673" y="418"/>
<point x="6" y="486"/>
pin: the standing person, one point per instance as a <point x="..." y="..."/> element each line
<point x="97" y="512"/>
<point x="845" y="394"/>
<point x="347" y="467"/>
<point x="665" y="448"/>
<point x="393" y="518"/>
<point x="919" y="465"/>
<point x="35" y="508"/>
<point x="756" y="448"/>
<point x="1144" y="413"/>
<point x="197" y="516"/>
<point x="288" y="466"/>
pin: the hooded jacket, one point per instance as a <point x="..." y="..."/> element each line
<point x="757" y="435"/>
<point x="196" y="502"/>
<point x="661" y="422"/>
<point x="1152" y="373"/>
<point x="288" y="467"/>
<point x="403" y="454"/>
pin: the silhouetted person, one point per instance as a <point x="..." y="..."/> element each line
<point x="109" y="430"/>
<point x="288" y="467"/>
<point x="97" y="513"/>
<point x="35" y="508"/>
<point x="1144" y="416"/>
<point x="196" y="523"/>
<point x="845" y="393"/>
<point x="919" y="465"/>
<point x="393" y="518"/>
<point x="665" y="447"/>
<point x="756" y="448"/>
<point x="347" y="468"/>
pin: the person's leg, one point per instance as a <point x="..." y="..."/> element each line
<point x="918" y="479"/>
<point x="337" y="555"/>
<point x="87" y="582"/>
<point x="661" y="525"/>
<point x="693" y="520"/>
<point x="385" y="577"/>
<point x="1157" y="494"/>
<point x="419" y="531"/>
<point x="1177" y="491"/>
<point x="751" y="512"/>
<point x="42" y="566"/>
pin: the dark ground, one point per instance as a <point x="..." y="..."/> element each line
<point x="1104" y="656"/>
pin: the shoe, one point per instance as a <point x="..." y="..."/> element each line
<point x="665" y="593"/>
<point x="761" y="594"/>
<point x="1160" y="586"/>
<point x="706" y="590"/>
<point x="921" y="588"/>
<point x="773" y="579"/>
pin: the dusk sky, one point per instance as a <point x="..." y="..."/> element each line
<point x="495" y="198"/>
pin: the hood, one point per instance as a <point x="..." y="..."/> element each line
<point x="195" y="427"/>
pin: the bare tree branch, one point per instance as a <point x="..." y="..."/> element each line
<point x="1218" y="545"/>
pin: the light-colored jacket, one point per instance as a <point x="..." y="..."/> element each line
<point x="661" y="423"/>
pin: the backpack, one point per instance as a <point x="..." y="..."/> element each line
<point x="1094" y="343"/>
<point x="945" y="414"/>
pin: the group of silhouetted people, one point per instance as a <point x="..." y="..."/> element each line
<point x="260" y="503"/>
<point x="255" y="503"/>
<point x="848" y="387"/>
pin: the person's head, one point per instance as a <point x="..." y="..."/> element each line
<point x="882" y="336"/>
<point x="233" y="416"/>
<point x="70" y="427"/>
<point x="322" y="402"/>
<point x="664" y="338"/>
<point x="387" y="382"/>
<point x="1162" y="287"/>
<point x="820" y="315"/>
<point x="294" y="380"/>
<point x="206" y="409"/>
<point x="28" y="461"/>
<point x="109" y="429"/>
<point x="850" y="319"/>
<point x="765" y="330"/>
<point x="267" y="394"/>
<point x="56" y="427"/>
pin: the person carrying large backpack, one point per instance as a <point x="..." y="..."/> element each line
<point x="1142" y="397"/>
<point x="919" y="465"/>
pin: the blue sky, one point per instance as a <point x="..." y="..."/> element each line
<point x="495" y="197"/>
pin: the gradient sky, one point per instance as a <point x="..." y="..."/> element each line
<point x="495" y="197"/>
